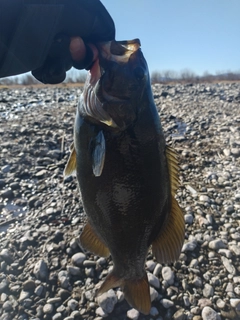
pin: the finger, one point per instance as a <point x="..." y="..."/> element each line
<point x="77" y="49"/>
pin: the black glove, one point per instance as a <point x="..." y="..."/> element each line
<point x="35" y="35"/>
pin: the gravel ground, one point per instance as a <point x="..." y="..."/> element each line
<point x="43" y="272"/>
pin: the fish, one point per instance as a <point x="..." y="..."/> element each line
<point x="128" y="176"/>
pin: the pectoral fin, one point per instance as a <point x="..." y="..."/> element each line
<point x="98" y="154"/>
<point x="91" y="242"/>
<point x="72" y="163"/>
<point x="167" y="246"/>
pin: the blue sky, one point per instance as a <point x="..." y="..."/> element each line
<point x="200" y="35"/>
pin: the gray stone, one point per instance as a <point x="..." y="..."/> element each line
<point x="39" y="290"/>
<point x="167" y="303"/>
<point x="189" y="246"/>
<point x="150" y="265"/>
<point x="23" y="295"/>
<point x="133" y="314"/>
<point x="72" y="304"/>
<point x="235" y="249"/>
<point x="63" y="278"/>
<point x="157" y="270"/>
<point x="7" y="306"/>
<point x="107" y="301"/>
<point x="74" y="271"/>
<point x="208" y="290"/>
<point x="204" y="198"/>
<point x="6" y="168"/>
<point x="78" y="258"/>
<point x="153" y="280"/>
<point x="154" y="311"/>
<point x="210" y="314"/>
<point x="188" y="219"/>
<point x="217" y="244"/>
<point x="6" y="256"/>
<point x="48" y="308"/>
<point x="179" y="315"/>
<point x="41" y="270"/>
<point x="168" y="275"/>
<point x="228" y="265"/>
<point x="235" y="303"/>
<point x="153" y="294"/>
<point x="220" y="304"/>
<point x="57" y="316"/>
<point x="101" y="313"/>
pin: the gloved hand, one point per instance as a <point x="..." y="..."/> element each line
<point x="64" y="53"/>
<point x="36" y="35"/>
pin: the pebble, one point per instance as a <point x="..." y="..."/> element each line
<point x="208" y="290"/>
<point x="217" y="244"/>
<point x="168" y="275"/>
<point x="228" y="265"/>
<point x="78" y="259"/>
<point x="48" y="308"/>
<point x="189" y="246"/>
<point x="153" y="280"/>
<point x="133" y="314"/>
<point x="154" y="311"/>
<point x="63" y="278"/>
<point x="41" y="270"/>
<point x="153" y="294"/>
<point x="235" y="303"/>
<point x="210" y="314"/>
<point x="107" y="301"/>
<point x="72" y="304"/>
<point x="167" y="303"/>
<point x="179" y="315"/>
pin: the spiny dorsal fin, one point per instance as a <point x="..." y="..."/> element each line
<point x="167" y="246"/>
<point x="173" y="168"/>
<point x="71" y="164"/>
<point x="136" y="291"/>
<point x="90" y="241"/>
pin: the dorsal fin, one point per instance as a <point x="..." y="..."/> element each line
<point x="167" y="246"/>
<point x="72" y="163"/>
<point x="173" y="168"/>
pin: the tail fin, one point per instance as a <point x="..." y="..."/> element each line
<point x="136" y="292"/>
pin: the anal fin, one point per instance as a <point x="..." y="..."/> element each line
<point x="136" y="291"/>
<point x="91" y="242"/>
<point x="167" y="246"/>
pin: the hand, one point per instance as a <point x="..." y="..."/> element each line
<point x="64" y="53"/>
<point x="81" y="53"/>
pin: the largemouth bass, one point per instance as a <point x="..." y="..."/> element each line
<point x="127" y="175"/>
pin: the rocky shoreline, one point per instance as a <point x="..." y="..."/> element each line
<point x="43" y="272"/>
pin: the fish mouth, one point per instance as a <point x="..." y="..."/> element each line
<point x="103" y="98"/>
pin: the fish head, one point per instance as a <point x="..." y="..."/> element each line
<point x="117" y="80"/>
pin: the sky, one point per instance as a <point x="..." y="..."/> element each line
<point x="200" y="35"/>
